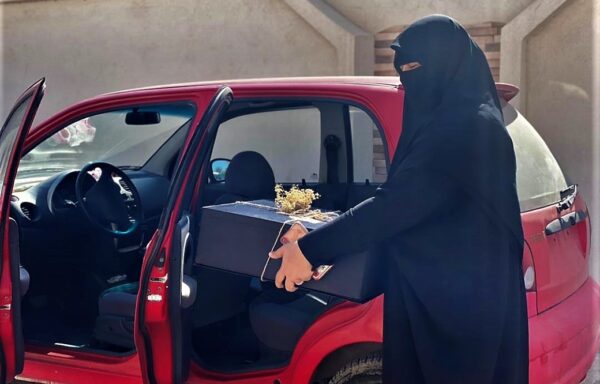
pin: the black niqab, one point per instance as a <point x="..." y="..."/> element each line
<point x="452" y="100"/>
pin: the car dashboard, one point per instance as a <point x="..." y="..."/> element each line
<point x="50" y="219"/>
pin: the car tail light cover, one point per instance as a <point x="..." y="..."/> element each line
<point x="529" y="278"/>
<point x="528" y="269"/>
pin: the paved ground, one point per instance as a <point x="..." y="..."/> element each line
<point x="593" y="376"/>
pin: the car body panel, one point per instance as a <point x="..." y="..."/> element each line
<point x="67" y="366"/>
<point x="344" y="325"/>
<point x="564" y="340"/>
<point x="560" y="259"/>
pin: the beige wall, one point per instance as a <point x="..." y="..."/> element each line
<point x="558" y="101"/>
<point x="377" y="15"/>
<point x="89" y="47"/>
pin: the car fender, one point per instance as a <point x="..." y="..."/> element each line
<point x="345" y="325"/>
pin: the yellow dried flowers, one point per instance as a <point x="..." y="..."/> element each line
<point x="296" y="200"/>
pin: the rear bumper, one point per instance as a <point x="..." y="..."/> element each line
<point x="564" y="339"/>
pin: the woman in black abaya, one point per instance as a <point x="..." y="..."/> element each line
<point x="455" y="309"/>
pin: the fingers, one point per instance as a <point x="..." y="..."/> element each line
<point x="290" y="286"/>
<point x="279" y="278"/>
<point x="277" y="254"/>
<point x="294" y="270"/>
<point x="296" y="231"/>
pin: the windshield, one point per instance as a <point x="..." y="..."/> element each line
<point x="126" y="138"/>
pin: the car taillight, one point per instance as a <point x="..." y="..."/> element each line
<point x="528" y="269"/>
<point x="529" y="278"/>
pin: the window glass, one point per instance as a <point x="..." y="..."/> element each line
<point x="539" y="177"/>
<point x="8" y="137"/>
<point x="112" y="137"/>
<point x="289" y="140"/>
<point x="368" y="153"/>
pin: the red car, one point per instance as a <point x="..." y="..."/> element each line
<point x="99" y="221"/>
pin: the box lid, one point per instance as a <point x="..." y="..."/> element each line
<point x="265" y="210"/>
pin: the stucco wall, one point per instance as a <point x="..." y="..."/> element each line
<point x="376" y="15"/>
<point x="558" y="101"/>
<point x="89" y="47"/>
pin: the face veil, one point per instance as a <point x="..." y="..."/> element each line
<point x="452" y="105"/>
<point x="454" y="76"/>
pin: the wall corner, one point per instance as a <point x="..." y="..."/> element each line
<point x="353" y="45"/>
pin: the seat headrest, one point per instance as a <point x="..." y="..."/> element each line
<point x="250" y="175"/>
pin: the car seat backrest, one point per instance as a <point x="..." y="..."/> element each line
<point x="248" y="177"/>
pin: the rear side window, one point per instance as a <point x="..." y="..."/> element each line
<point x="289" y="139"/>
<point x="368" y="151"/>
<point x="539" y="177"/>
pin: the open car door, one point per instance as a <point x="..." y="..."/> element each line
<point x="165" y="291"/>
<point x="12" y="137"/>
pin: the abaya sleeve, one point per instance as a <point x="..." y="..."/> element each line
<point x="409" y="197"/>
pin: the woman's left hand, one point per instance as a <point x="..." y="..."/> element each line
<point x="295" y="268"/>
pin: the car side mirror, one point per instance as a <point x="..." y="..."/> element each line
<point x="218" y="168"/>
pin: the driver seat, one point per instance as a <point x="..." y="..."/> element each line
<point x="248" y="177"/>
<point x="116" y="311"/>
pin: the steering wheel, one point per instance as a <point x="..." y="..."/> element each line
<point x="107" y="204"/>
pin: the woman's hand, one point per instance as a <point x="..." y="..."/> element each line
<point x="295" y="268"/>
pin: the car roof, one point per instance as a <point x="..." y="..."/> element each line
<point x="389" y="81"/>
<point x="507" y="91"/>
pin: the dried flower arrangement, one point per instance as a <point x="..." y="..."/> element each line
<point x="296" y="200"/>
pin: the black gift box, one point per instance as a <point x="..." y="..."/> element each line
<point x="237" y="237"/>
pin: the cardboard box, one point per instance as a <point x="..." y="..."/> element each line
<point x="237" y="237"/>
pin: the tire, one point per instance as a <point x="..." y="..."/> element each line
<point x="366" y="370"/>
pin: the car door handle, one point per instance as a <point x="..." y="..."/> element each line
<point x="564" y="222"/>
<point x="567" y="198"/>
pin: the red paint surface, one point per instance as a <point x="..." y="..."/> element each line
<point x="561" y="259"/>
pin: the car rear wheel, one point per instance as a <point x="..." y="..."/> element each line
<point x="366" y="370"/>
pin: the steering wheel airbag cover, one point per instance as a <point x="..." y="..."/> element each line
<point x="104" y="203"/>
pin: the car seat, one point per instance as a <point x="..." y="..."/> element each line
<point x="221" y="295"/>
<point x="279" y="318"/>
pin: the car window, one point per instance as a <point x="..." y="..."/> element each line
<point x="289" y="140"/>
<point x="8" y="137"/>
<point x="125" y="138"/>
<point x="368" y="152"/>
<point x="539" y="177"/>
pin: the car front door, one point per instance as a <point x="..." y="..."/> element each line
<point x="12" y="136"/>
<point x="164" y="289"/>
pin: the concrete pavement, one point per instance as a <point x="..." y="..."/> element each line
<point x="593" y="376"/>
